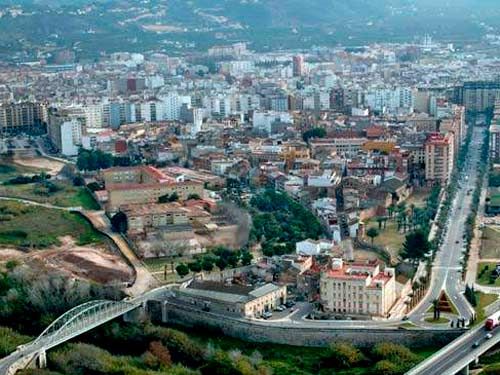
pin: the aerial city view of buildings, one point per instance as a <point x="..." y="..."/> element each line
<point x="302" y="197"/>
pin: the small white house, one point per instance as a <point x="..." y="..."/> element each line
<point x="311" y="247"/>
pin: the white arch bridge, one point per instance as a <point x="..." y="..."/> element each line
<point x="71" y="324"/>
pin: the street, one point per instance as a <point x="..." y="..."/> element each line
<point x="446" y="270"/>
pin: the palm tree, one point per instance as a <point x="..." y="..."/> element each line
<point x="372" y="233"/>
<point x="435" y="307"/>
<point x="380" y="220"/>
<point x="390" y="210"/>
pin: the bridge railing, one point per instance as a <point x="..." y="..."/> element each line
<point x="443" y="352"/>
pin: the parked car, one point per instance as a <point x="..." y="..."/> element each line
<point x="267" y="314"/>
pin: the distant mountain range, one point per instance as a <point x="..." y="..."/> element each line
<point x="174" y="25"/>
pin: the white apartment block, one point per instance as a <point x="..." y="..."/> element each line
<point x="94" y="116"/>
<point x="389" y="100"/>
<point x="65" y="133"/>
<point x="263" y="121"/>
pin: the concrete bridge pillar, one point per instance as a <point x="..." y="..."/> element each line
<point x="137" y="315"/>
<point x="164" y="312"/>
<point x="42" y="359"/>
<point x="465" y="371"/>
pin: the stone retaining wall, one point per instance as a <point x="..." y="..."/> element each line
<point x="299" y="334"/>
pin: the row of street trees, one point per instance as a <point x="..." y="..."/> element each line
<point x="476" y="197"/>
<point x="219" y="257"/>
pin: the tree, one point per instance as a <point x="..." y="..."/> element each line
<point x="174" y="197"/>
<point x="390" y="210"/>
<point x="195" y="266"/>
<point x="119" y="222"/>
<point x="168" y="198"/>
<point x="207" y="264"/>
<point x="435" y="309"/>
<point x="246" y="258"/>
<point x="380" y="220"/>
<point x="416" y="245"/>
<point x="345" y="355"/>
<point x="314" y="133"/>
<point x="161" y="353"/>
<point x="94" y="186"/>
<point x="193" y="197"/>
<point x="91" y="160"/>
<point x="470" y="295"/>
<point x="372" y="233"/>
<point x="221" y="263"/>
<point x="386" y="367"/>
<point x="182" y="270"/>
<point x="78" y="181"/>
<point x="233" y="260"/>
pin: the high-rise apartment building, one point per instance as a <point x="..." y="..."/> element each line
<point x="22" y="117"/>
<point x="298" y="66"/>
<point x="439" y="158"/>
<point x="478" y="96"/>
<point x="65" y="133"/>
<point x="495" y="134"/>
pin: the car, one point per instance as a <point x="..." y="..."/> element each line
<point x="289" y="303"/>
<point x="267" y="314"/>
<point x="488" y="336"/>
<point x="476" y="344"/>
<point x="457" y="241"/>
<point x="279" y="308"/>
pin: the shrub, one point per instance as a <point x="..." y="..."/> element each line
<point x="386" y="367"/>
<point x="344" y="355"/>
<point x="395" y="354"/>
<point x="10" y="340"/>
<point x="161" y="353"/>
<point x="78" y="181"/>
<point x="180" y="346"/>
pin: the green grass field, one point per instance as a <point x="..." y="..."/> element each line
<point x="389" y="238"/>
<point x="38" y="227"/>
<point x="68" y="196"/>
<point x="9" y="169"/>
<point x="441" y="320"/>
<point x="490" y="244"/>
<point x="418" y="198"/>
<point x="483" y="300"/>
<point x="484" y="271"/>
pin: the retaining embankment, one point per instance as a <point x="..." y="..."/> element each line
<point x="314" y="334"/>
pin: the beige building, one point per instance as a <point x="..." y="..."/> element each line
<point x="144" y="185"/>
<point x="455" y="124"/>
<point x="234" y="300"/>
<point x="22" y="117"/>
<point x="495" y="134"/>
<point x="495" y="142"/>
<point x="439" y="158"/>
<point x="358" y="289"/>
<point x="150" y="217"/>
<point x="339" y="146"/>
